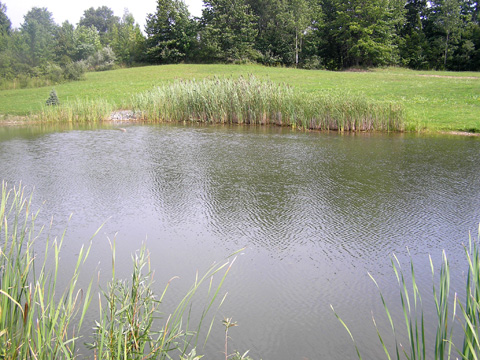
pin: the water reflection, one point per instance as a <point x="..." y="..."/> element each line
<point x="316" y="211"/>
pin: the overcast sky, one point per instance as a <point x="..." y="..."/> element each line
<point x="72" y="10"/>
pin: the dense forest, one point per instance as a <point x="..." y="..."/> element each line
<point x="312" y="34"/>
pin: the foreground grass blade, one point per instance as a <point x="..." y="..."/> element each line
<point x="40" y="321"/>
<point x="439" y="348"/>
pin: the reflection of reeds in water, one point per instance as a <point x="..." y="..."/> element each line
<point x="252" y="101"/>
<point x="467" y="314"/>
<point x="40" y="321"/>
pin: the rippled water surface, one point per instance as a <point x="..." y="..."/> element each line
<point x="315" y="212"/>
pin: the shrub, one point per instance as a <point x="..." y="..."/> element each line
<point x="52" y="99"/>
<point x="75" y="70"/>
<point x="102" y="60"/>
<point x="54" y="73"/>
<point x="313" y="63"/>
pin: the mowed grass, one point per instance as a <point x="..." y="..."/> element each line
<point x="436" y="101"/>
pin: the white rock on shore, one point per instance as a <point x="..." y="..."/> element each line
<point x="124" y="115"/>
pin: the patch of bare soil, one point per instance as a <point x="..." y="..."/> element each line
<point x="452" y="77"/>
<point x="462" y="133"/>
<point x="14" y="120"/>
<point x="355" y="69"/>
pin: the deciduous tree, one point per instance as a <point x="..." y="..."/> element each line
<point x="128" y="41"/>
<point x="103" y="19"/>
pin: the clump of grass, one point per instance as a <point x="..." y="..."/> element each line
<point x="252" y="101"/>
<point x="78" y="111"/>
<point x="418" y="346"/>
<point x="36" y="320"/>
<point x="130" y="313"/>
<point x="471" y="310"/>
<point x="39" y="321"/>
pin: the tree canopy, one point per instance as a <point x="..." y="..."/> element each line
<point x="313" y="34"/>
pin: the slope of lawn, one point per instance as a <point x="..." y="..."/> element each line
<point x="437" y="101"/>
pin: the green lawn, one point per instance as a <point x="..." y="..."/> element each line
<point x="432" y="100"/>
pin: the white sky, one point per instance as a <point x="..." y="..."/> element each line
<point x="72" y="10"/>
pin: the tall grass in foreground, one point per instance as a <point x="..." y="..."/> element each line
<point x="252" y="101"/>
<point x="40" y="321"/>
<point x="467" y="314"/>
<point x="36" y="320"/>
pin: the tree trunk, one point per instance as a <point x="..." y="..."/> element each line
<point x="446" y="51"/>
<point x="296" y="48"/>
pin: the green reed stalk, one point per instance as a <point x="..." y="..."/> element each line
<point x="248" y="100"/>
<point x="243" y="100"/>
<point x="78" y="111"/>
<point x="418" y="346"/>
<point x="129" y="311"/>
<point x="38" y="321"/>
<point x="471" y="309"/>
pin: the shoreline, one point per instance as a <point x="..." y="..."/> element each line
<point x="129" y="116"/>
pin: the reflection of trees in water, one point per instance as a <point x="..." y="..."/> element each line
<point x="329" y="206"/>
<point x="241" y="185"/>
<point x="361" y="194"/>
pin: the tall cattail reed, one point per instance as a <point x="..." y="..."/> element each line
<point x="78" y="111"/>
<point x="39" y="320"/>
<point x="448" y="310"/>
<point x="252" y="101"/>
<point x="245" y="100"/>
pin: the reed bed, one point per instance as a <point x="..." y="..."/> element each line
<point x="243" y="100"/>
<point x="450" y="311"/>
<point x="248" y="100"/>
<point x="78" y="111"/>
<point x="38" y="320"/>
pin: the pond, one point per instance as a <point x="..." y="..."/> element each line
<point x="316" y="212"/>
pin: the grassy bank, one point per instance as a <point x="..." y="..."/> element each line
<point x="436" y="101"/>
<point x="40" y="320"/>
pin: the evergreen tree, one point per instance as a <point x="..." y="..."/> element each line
<point x="228" y="31"/>
<point x="65" y="49"/>
<point x="5" y="34"/>
<point x="170" y="33"/>
<point x="5" y="27"/>
<point x="364" y="32"/>
<point x="5" y="23"/>
<point x="275" y="36"/>
<point x="414" y="49"/>
<point x="52" y="99"/>
<point x="38" y="30"/>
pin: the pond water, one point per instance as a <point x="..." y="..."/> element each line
<point x="315" y="212"/>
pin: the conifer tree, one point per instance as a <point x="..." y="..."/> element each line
<point x="170" y="32"/>
<point x="52" y="99"/>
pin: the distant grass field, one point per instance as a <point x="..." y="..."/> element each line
<point x="434" y="101"/>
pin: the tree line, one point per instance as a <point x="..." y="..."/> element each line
<point x="313" y="34"/>
<point x="319" y="34"/>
